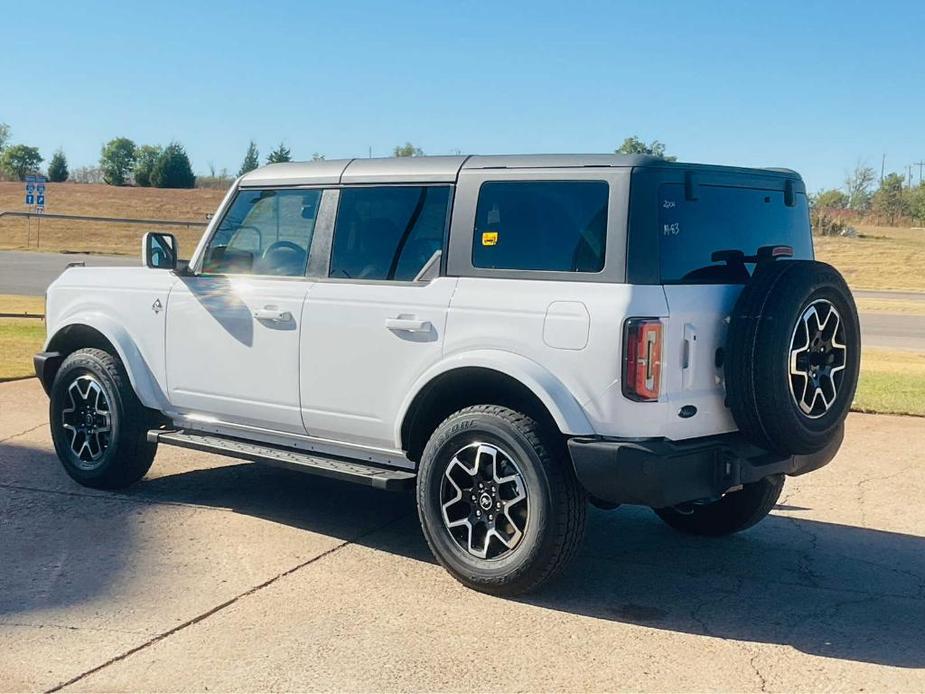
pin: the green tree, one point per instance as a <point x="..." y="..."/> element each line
<point x="279" y="155"/>
<point x="17" y="161"/>
<point x="633" y="145"/>
<point x="889" y="201"/>
<point x="4" y="135"/>
<point x="116" y="160"/>
<point x="145" y="159"/>
<point x="407" y="150"/>
<point x="251" y="159"/>
<point x="830" y="200"/>
<point x="57" y="168"/>
<point x="172" y="168"/>
<point x="859" y="183"/>
<point x="917" y="202"/>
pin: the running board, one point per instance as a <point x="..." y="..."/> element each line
<point x="313" y="463"/>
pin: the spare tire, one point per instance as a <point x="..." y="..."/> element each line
<point x="792" y="356"/>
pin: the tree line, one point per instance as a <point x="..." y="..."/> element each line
<point x="890" y="200"/>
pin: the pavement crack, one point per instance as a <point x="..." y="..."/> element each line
<point x="227" y="603"/>
<point x="763" y="681"/>
<point x="23" y="433"/>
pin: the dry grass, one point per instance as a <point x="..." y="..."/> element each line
<point x="885" y="258"/>
<point x="103" y="201"/>
<point x="903" y="307"/>
<point x="13" y="303"/>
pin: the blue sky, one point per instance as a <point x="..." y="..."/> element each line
<point x="810" y="85"/>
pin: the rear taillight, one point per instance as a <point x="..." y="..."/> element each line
<point x="642" y="359"/>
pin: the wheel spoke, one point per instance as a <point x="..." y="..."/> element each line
<point x="817" y="355"/>
<point x="480" y="489"/>
<point x="87" y="421"/>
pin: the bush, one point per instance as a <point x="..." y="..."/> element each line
<point x="824" y="223"/>
<point x="172" y="168"/>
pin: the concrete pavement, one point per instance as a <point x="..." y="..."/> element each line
<point x="217" y="574"/>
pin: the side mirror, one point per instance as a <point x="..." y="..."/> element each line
<point x="159" y="251"/>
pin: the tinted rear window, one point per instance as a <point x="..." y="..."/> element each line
<point x="724" y="218"/>
<point x="541" y="225"/>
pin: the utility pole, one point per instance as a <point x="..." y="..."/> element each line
<point x="882" y="166"/>
<point x="919" y="164"/>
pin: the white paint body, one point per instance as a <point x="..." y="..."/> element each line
<point x="335" y="364"/>
<point x="337" y="372"/>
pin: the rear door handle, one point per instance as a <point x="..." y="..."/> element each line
<point x="272" y="314"/>
<point x="408" y="324"/>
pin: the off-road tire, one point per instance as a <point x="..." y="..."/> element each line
<point x="732" y="513"/>
<point x="128" y="456"/>
<point x="758" y="352"/>
<point x="557" y="504"/>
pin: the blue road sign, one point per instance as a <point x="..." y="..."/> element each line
<point x="30" y="199"/>
<point x="40" y="189"/>
<point x="40" y="198"/>
<point x="30" y="187"/>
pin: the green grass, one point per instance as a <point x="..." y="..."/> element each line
<point x="20" y="338"/>
<point x="892" y="382"/>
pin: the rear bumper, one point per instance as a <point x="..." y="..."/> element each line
<point x="46" y="366"/>
<point x="661" y="473"/>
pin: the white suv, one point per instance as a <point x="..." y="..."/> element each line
<point x="513" y="335"/>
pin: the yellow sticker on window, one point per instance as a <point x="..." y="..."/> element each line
<point x="489" y="238"/>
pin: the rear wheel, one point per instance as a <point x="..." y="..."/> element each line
<point x="732" y="513"/>
<point x="499" y="505"/>
<point x="98" y="425"/>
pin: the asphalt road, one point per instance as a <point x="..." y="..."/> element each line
<point x="29" y="274"/>
<point x="222" y="575"/>
<point x="23" y="272"/>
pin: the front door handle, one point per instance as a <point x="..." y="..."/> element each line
<point x="408" y="324"/>
<point x="273" y="315"/>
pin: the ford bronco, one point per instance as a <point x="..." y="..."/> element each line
<point x="512" y="336"/>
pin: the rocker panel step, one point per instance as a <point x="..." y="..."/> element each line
<point x="313" y="463"/>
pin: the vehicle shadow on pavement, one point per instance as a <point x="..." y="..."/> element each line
<point x="826" y="589"/>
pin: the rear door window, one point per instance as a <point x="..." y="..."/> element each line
<point x="541" y="225"/>
<point x="388" y="232"/>
<point x="725" y="218"/>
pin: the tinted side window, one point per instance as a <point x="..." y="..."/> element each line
<point x="264" y="232"/>
<point x="388" y="232"/>
<point x="541" y="225"/>
<point x="725" y="218"/>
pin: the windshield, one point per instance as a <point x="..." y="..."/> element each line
<point x="725" y="218"/>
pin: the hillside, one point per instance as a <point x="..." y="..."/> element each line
<point x="102" y="201"/>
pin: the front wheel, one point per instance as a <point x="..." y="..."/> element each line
<point x="732" y="513"/>
<point x="98" y="425"/>
<point x="499" y="504"/>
